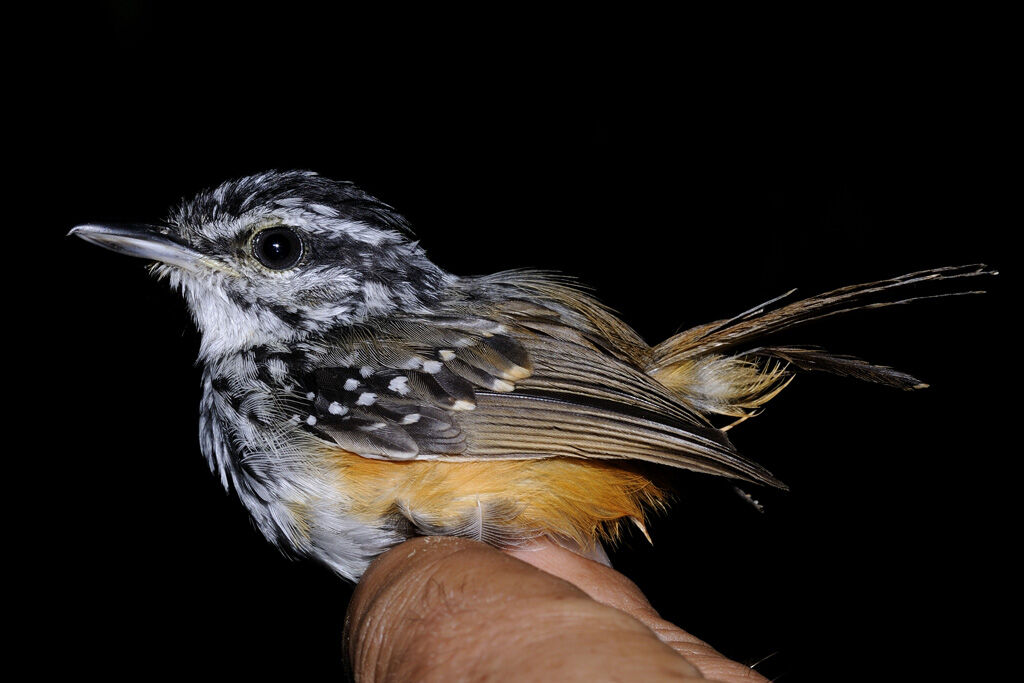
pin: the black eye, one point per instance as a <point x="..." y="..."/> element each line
<point x="277" y="248"/>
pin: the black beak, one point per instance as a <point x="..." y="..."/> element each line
<point x="144" y="241"/>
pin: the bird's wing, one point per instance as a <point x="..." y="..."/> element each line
<point x="523" y="380"/>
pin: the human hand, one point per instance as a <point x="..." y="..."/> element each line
<point x="443" y="609"/>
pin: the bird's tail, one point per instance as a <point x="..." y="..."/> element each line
<point x="722" y="367"/>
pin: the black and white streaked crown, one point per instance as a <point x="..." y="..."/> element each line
<point x="294" y="189"/>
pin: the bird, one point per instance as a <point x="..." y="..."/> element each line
<point x="355" y="394"/>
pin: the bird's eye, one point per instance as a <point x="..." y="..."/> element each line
<point x="277" y="248"/>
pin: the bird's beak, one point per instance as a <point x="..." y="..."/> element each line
<point x="145" y="241"/>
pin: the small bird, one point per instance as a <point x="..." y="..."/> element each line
<point x="354" y="394"/>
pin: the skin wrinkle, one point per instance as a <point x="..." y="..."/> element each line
<point x="460" y="610"/>
<point x="415" y="595"/>
<point x="613" y="589"/>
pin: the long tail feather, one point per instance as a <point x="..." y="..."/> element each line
<point x="721" y="336"/>
<point x="710" y="368"/>
<point x="812" y="359"/>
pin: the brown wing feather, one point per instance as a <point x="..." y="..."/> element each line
<point x="495" y="385"/>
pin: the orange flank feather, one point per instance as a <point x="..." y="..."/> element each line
<point x="577" y="499"/>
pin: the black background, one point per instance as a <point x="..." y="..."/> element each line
<point x="685" y="167"/>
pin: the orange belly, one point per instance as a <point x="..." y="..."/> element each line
<point x="582" y="500"/>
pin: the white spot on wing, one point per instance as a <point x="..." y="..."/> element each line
<point x="336" y="408"/>
<point x="366" y="371"/>
<point x="366" y="399"/>
<point x="412" y="418"/>
<point x="351" y="384"/>
<point x="432" y="366"/>
<point x="399" y="385"/>
<point x="502" y="386"/>
<point x="311" y="420"/>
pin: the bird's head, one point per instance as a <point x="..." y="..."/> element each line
<point x="275" y="257"/>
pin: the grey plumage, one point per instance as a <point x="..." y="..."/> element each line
<point x="326" y="329"/>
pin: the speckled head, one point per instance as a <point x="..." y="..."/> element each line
<point x="277" y="256"/>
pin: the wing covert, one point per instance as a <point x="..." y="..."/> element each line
<point x="521" y="384"/>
